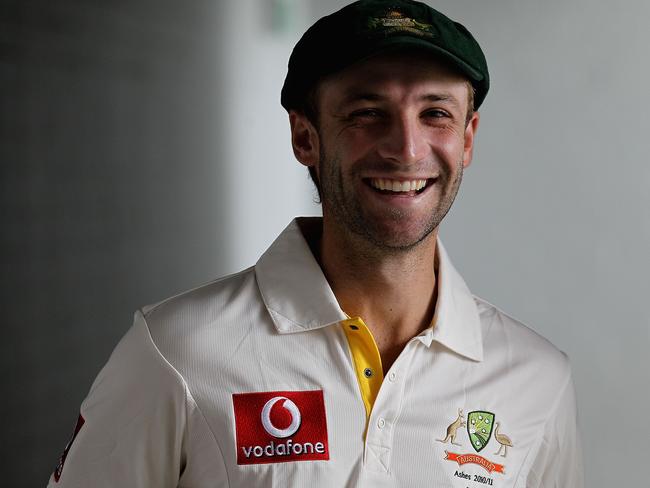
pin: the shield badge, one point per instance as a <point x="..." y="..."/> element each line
<point x="479" y="428"/>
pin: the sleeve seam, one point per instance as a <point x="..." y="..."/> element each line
<point x="186" y="392"/>
<point x="190" y="399"/>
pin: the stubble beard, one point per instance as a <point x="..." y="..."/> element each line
<point x="342" y="202"/>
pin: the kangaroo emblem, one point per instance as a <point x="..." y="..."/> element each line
<point x="453" y="428"/>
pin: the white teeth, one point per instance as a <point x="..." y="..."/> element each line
<point x="397" y="186"/>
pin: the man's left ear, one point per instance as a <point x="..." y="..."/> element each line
<point x="304" y="139"/>
<point x="470" y="132"/>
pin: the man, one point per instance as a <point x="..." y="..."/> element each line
<point x="353" y="353"/>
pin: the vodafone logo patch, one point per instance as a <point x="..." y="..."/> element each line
<point x="280" y="426"/>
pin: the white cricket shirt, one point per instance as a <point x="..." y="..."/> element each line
<point x="260" y="379"/>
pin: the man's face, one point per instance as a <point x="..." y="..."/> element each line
<point x="390" y="147"/>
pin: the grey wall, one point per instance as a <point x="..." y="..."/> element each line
<point x="142" y="147"/>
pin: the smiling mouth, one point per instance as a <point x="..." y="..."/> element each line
<point x="388" y="186"/>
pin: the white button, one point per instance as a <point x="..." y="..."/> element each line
<point x="381" y="423"/>
<point x="392" y="376"/>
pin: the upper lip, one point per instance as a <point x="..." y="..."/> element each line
<point x="400" y="185"/>
<point x="399" y="177"/>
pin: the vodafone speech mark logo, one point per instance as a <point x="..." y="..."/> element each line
<point x="280" y="426"/>
<point x="268" y="424"/>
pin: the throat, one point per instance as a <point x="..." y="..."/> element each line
<point x="389" y="353"/>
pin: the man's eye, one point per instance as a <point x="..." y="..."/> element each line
<point x="365" y="113"/>
<point x="436" y="113"/>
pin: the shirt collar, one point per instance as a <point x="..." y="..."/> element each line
<point x="293" y="286"/>
<point x="456" y="322"/>
<point x="299" y="298"/>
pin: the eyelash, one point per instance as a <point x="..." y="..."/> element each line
<point x="437" y="113"/>
<point x="366" y="112"/>
<point x="373" y="113"/>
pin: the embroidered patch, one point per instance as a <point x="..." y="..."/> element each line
<point x="59" y="469"/>
<point x="480" y="425"/>
<point x="486" y="464"/>
<point x="280" y="426"/>
<point x="479" y="429"/>
<point x="395" y="21"/>
<point x="452" y="430"/>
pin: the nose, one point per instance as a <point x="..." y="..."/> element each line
<point x="404" y="140"/>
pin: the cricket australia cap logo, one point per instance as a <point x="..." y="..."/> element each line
<point x="396" y="22"/>
<point x="280" y="426"/>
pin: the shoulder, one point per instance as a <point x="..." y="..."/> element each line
<point x="207" y="319"/>
<point x="512" y="342"/>
<point x="203" y="305"/>
<point x="215" y="293"/>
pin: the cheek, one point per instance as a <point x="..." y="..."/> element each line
<point x="355" y="142"/>
<point x="347" y="150"/>
<point x="449" y="145"/>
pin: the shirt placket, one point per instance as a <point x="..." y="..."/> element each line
<point x="385" y="414"/>
<point x="382" y="396"/>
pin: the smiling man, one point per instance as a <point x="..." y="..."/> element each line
<point x="388" y="144"/>
<point x="352" y="354"/>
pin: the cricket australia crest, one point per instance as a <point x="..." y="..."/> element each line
<point x="479" y="425"/>
<point x="479" y="428"/>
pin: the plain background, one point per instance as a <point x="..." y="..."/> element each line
<point x="143" y="151"/>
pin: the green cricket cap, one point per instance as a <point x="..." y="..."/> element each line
<point x="367" y="27"/>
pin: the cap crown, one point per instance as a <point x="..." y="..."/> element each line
<point x="367" y="27"/>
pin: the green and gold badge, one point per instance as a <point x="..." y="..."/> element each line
<point x="479" y="428"/>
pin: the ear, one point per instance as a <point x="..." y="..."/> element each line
<point x="470" y="132"/>
<point x="304" y="139"/>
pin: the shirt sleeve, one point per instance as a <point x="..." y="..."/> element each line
<point x="558" y="463"/>
<point x="132" y="422"/>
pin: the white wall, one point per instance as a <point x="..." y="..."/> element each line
<point x="553" y="220"/>
<point x="263" y="181"/>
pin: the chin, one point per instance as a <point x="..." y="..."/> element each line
<point x="397" y="237"/>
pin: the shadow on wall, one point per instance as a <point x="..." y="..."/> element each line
<point x="110" y="145"/>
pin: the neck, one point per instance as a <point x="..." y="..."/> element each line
<point x="393" y="291"/>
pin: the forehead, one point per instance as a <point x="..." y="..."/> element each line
<point x="401" y="74"/>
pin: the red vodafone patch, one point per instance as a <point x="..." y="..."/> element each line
<point x="280" y="426"/>
<point x="59" y="468"/>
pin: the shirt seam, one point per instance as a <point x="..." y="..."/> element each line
<point x="186" y="393"/>
<point x="214" y="437"/>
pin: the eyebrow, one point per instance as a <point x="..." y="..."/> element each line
<point x="352" y="97"/>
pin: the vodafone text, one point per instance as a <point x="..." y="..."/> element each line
<point x="287" y="448"/>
